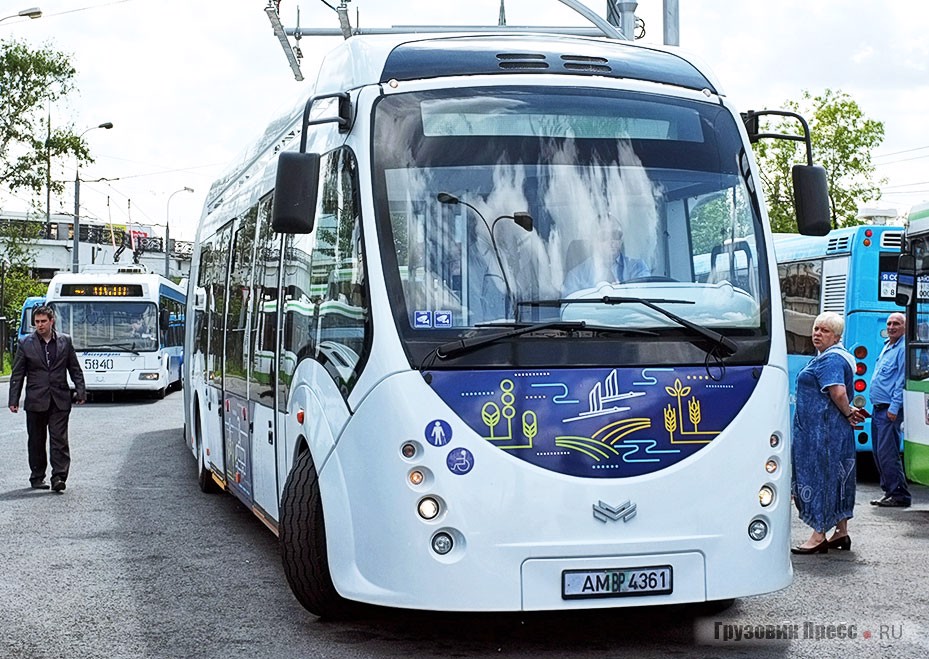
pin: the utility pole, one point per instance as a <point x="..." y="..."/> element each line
<point x="671" y="23"/>
<point x="622" y="15"/>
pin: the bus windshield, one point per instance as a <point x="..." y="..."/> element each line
<point x="119" y="325"/>
<point x="503" y="206"/>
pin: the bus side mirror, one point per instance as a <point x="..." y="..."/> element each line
<point x="164" y="320"/>
<point x="811" y="200"/>
<point x="906" y="279"/>
<point x="200" y="299"/>
<point x="295" y="189"/>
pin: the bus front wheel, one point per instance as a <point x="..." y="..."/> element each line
<point x="303" y="543"/>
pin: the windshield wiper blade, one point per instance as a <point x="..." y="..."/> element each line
<point x="726" y="346"/>
<point x="453" y="348"/>
<point x="117" y="346"/>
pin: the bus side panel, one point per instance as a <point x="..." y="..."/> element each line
<point x="916" y="432"/>
<point x="264" y="459"/>
<point x="212" y="421"/>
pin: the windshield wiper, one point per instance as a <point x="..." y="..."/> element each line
<point x="724" y="344"/>
<point x="453" y="348"/>
<point x="116" y="346"/>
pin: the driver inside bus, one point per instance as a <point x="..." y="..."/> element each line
<point x="592" y="270"/>
<point x="137" y="325"/>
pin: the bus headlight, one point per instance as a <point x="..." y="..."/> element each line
<point x="766" y="496"/>
<point x="148" y="376"/>
<point x="758" y="530"/>
<point x="428" y="508"/>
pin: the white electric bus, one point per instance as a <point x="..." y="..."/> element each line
<point x="127" y="327"/>
<point x="386" y="365"/>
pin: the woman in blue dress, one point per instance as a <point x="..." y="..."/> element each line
<point x="823" y="443"/>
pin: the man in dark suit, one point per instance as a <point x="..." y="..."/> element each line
<point x="43" y="362"/>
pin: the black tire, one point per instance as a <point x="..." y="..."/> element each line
<point x="204" y="475"/>
<point x="303" y="543"/>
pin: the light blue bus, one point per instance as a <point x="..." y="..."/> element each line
<point x="26" y="324"/>
<point x="853" y="272"/>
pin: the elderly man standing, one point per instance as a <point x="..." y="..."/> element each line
<point x="43" y="362"/>
<point x="887" y="419"/>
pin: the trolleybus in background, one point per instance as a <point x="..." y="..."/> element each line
<point x="441" y="424"/>
<point x="127" y="326"/>
<point x="914" y="293"/>
<point x="26" y="321"/>
<point x="853" y="272"/>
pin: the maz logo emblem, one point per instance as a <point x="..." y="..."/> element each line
<point x="605" y="512"/>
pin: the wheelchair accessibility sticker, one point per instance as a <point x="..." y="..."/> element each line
<point x="459" y="461"/>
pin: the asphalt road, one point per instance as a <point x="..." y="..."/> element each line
<point x="134" y="561"/>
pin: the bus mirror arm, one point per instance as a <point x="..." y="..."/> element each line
<point x="811" y="188"/>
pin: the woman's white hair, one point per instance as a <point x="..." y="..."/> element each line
<point x="832" y="321"/>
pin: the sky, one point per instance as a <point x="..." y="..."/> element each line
<point x="189" y="84"/>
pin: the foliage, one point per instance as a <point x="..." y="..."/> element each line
<point x="843" y="139"/>
<point x="30" y="82"/>
<point x="16" y="251"/>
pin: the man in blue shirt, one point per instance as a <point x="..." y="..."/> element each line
<point x="887" y="400"/>
<point x="619" y="268"/>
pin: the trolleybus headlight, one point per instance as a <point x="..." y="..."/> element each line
<point x="766" y="496"/>
<point x="758" y="530"/>
<point x="148" y="376"/>
<point x="770" y="466"/>
<point x="428" y="508"/>
<point x="442" y="543"/>
<point x="775" y="440"/>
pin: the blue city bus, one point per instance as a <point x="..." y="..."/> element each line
<point x="853" y="272"/>
<point x="26" y="324"/>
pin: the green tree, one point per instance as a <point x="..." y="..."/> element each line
<point x="843" y="139"/>
<point x="30" y="82"/>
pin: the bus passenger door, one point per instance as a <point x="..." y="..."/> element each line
<point x="213" y="415"/>
<point x="262" y="357"/>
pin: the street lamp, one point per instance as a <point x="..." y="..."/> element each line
<point x="168" y="230"/>
<point x="76" y="244"/>
<point x="32" y="12"/>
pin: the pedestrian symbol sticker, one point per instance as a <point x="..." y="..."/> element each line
<point x="438" y="432"/>
<point x="459" y="461"/>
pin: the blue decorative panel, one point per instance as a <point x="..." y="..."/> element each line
<point x="597" y="423"/>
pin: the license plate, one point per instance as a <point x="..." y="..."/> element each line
<point x="618" y="582"/>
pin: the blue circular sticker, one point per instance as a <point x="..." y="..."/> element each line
<point x="438" y="432"/>
<point x="459" y="461"/>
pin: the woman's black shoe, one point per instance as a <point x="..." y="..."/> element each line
<point x="821" y="548"/>
<point x="845" y="542"/>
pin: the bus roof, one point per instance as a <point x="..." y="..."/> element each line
<point x="795" y="247"/>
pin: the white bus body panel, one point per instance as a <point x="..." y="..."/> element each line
<point x="514" y="562"/>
